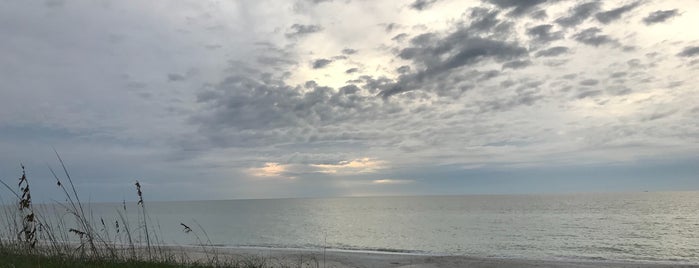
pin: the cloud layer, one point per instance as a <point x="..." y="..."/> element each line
<point x="326" y="98"/>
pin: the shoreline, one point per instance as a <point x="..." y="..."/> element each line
<point x="341" y="258"/>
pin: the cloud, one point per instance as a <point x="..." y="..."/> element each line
<point x="611" y="15"/>
<point x="321" y="63"/>
<point x="391" y="181"/>
<point x="589" y="82"/>
<point x="269" y="170"/>
<point x="579" y="14"/>
<point x="543" y="34"/>
<point x="591" y="36"/>
<point x="689" y="52"/>
<point x="355" y="166"/>
<point x="434" y="56"/>
<point x="483" y="19"/>
<point x="518" y="64"/>
<point x="552" y="52"/>
<point x="175" y="77"/>
<point x="422" y="4"/>
<point x="519" y="7"/>
<point x="539" y="15"/>
<point x="300" y="30"/>
<point x="451" y="90"/>
<point x="349" y="51"/>
<point x="660" y="16"/>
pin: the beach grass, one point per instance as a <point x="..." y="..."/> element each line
<point x="21" y="260"/>
<point x="30" y="237"/>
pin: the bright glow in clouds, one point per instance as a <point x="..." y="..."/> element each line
<point x="362" y="165"/>
<point x="391" y="181"/>
<point x="269" y="170"/>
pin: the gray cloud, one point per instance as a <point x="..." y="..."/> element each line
<point x="579" y="14"/>
<point x="400" y="37"/>
<point x="391" y="26"/>
<point x="588" y="93"/>
<point x="615" y="14"/>
<point x="543" y="34"/>
<point x="458" y="86"/>
<point x="299" y="30"/>
<point x="591" y="36"/>
<point x="422" y="4"/>
<point x="589" y="82"/>
<point x="539" y="15"/>
<point x="349" y="51"/>
<point x="464" y="50"/>
<point x="618" y="74"/>
<point x="552" y="52"/>
<point x="517" y="64"/>
<point x="489" y="75"/>
<point x="660" y="16"/>
<point x="483" y="19"/>
<point x="403" y="69"/>
<point x="320" y="63"/>
<point x="175" y="77"/>
<point x="689" y="52"/>
<point x="519" y="7"/>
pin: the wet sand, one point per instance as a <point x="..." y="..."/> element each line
<point x="345" y="259"/>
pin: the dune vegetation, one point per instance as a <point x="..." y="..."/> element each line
<point x="31" y="235"/>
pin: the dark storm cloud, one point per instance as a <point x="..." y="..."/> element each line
<point x="552" y="52"/>
<point x="299" y="30"/>
<point x="321" y="63"/>
<point x="422" y="4"/>
<point x="543" y="34"/>
<point x="519" y="7"/>
<point x="591" y="36"/>
<point x="660" y="16"/>
<point x="615" y="14"/>
<point x="579" y="14"/>
<point x="689" y="52"/>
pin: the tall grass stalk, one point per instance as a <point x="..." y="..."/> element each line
<point x="41" y="232"/>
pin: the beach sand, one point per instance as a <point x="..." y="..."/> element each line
<point x="345" y="259"/>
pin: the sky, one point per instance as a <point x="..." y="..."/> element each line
<point x="320" y="98"/>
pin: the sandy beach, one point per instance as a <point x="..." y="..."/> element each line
<point x="361" y="259"/>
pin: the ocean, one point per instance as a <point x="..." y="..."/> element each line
<point x="643" y="227"/>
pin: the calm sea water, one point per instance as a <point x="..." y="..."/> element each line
<point x="632" y="226"/>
